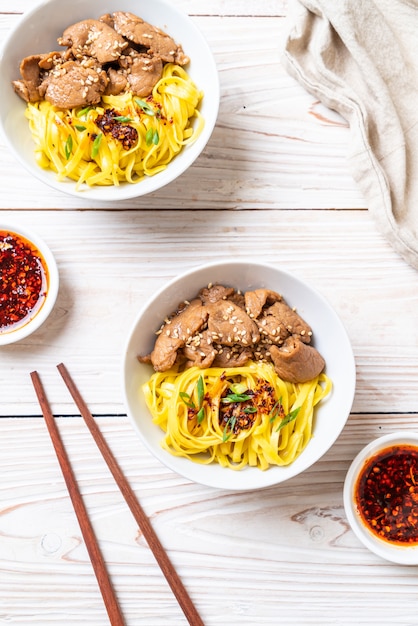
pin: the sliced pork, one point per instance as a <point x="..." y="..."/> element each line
<point x="296" y="361"/>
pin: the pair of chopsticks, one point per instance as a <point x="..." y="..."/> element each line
<point x="98" y="563"/>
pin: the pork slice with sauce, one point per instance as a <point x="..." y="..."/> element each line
<point x="175" y="334"/>
<point x="28" y="86"/>
<point x="143" y="72"/>
<point x="199" y="351"/>
<point x="296" y="361"/>
<point x="156" y="41"/>
<point x="230" y="325"/>
<point x="117" y="82"/>
<point x="256" y="299"/>
<point x="93" y="38"/>
<point x="214" y="293"/>
<point x="33" y="70"/>
<point x="75" y="85"/>
<point x="235" y="356"/>
<point x="279" y="321"/>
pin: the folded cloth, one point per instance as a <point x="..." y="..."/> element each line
<point x="360" y="58"/>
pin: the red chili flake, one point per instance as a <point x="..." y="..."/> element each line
<point x="127" y="135"/>
<point x="241" y="414"/>
<point x="386" y="494"/>
<point x="23" y="281"/>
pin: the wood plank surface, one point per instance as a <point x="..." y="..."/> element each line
<point x="273" y="147"/>
<point x="112" y="261"/>
<point x="273" y="184"/>
<point x="245" y="558"/>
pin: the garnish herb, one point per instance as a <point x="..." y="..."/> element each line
<point x="236" y="397"/>
<point x="278" y="411"/>
<point x="145" y="107"/>
<point x="250" y="409"/>
<point x="96" y="145"/>
<point x="123" y="118"/>
<point x="231" y="425"/>
<point x="277" y="405"/>
<point x="68" y="147"/>
<point x="79" y="127"/>
<point x="84" y="111"/>
<point x="187" y="399"/>
<point x="238" y="388"/>
<point x="152" y="136"/>
<point x="200" y="391"/>
<point x="200" y="398"/>
<point x="288" y="418"/>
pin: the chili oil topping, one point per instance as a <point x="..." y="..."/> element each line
<point x="23" y="280"/>
<point x="387" y="494"/>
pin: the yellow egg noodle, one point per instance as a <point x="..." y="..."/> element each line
<point x="235" y="417"/>
<point x="70" y="142"/>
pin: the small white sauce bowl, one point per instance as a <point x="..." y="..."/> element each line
<point x="396" y="553"/>
<point x="40" y="315"/>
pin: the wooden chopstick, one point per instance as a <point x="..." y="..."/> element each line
<point x="142" y="520"/>
<point x="98" y="563"/>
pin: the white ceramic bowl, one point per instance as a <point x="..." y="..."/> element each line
<point x="403" y="554"/>
<point x="37" y="32"/>
<point x="39" y="316"/>
<point x="330" y="339"/>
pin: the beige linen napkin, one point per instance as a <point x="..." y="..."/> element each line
<point x="360" y="58"/>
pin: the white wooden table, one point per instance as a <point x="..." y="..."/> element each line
<point x="273" y="184"/>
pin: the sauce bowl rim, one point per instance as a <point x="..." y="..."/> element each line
<point x="396" y="553"/>
<point x="41" y="315"/>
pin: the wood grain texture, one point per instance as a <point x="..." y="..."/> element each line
<point x="111" y="262"/>
<point x="144" y="524"/>
<point x="90" y="541"/>
<point x="245" y="557"/>
<point x="272" y="184"/>
<point x="273" y="146"/>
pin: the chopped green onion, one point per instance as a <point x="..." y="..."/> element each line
<point x="289" y="418"/>
<point x="236" y="397"/>
<point x="238" y="388"/>
<point x="79" y="127"/>
<point x="68" y="147"/>
<point x="145" y="107"/>
<point x="187" y="399"/>
<point x="148" y="136"/>
<point x="83" y="111"/>
<point x="250" y="409"/>
<point x="152" y="137"/>
<point x="96" y="145"/>
<point x="200" y="398"/>
<point x="123" y="118"/>
<point x="277" y="405"/>
<point x="200" y="391"/>
<point x="231" y="425"/>
<point x="200" y="415"/>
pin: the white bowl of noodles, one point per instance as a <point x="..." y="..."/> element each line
<point x="329" y="338"/>
<point x="37" y="32"/>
